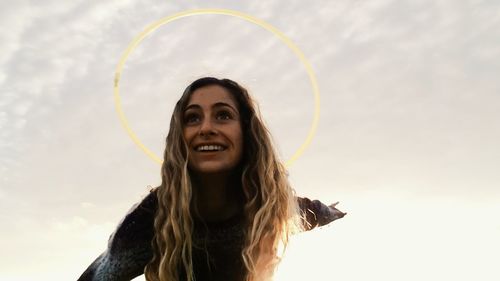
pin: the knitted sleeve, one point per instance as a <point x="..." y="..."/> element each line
<point x="316" y="213"/>
<point x="129" y="247"/>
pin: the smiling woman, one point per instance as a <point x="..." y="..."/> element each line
<point x="224" y="203"/>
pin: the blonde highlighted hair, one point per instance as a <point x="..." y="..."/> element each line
<point x="271" y="211"/>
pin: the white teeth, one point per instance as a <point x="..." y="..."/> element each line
<point x="209" y="148"/>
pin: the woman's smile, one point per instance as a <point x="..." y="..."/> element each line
<point x="210" y="148"/>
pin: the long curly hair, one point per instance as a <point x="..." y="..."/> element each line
<point x="270" y="208"/>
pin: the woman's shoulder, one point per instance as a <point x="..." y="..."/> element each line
<point x="129" y="246"/>
<point x="136" y="226"/>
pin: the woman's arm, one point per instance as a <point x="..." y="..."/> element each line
<point x="129" y="247"/>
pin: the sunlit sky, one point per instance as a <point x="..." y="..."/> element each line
<point x="408" y="136"/>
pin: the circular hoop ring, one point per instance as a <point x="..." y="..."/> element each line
<point x="152" y="27"/>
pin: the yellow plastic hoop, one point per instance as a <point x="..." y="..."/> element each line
<point x="152" y="27"/>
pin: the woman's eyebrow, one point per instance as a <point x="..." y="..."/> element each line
<point x="222" y="104"/>
<point x="192" y="106"/>
<point x="215" y="105"/>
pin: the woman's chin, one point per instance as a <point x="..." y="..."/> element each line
<point x="211" y="169"/>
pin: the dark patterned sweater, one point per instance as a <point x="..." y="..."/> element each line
<point x="216" y="251"/>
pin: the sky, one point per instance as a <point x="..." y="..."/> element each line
<point x="407" y="138"/>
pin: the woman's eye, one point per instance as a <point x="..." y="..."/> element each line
<point x="224" y="115"/>
<point x="191" y="118"/>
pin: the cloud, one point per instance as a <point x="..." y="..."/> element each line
<point x="70" y="244"/>
<point x="87" y="205"/>
<point x="37" y="66"/>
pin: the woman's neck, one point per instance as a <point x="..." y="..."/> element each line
<point x="217" y="196"/>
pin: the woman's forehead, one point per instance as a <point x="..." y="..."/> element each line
<point x="208" y="96"/>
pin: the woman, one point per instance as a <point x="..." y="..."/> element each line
<point x="224" y="203"/>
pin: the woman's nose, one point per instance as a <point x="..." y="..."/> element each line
<point x="207" y="127"/>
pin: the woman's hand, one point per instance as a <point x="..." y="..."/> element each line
<point x="331" y="214"/>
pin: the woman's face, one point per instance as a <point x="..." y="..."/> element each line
<point x="212" y="130"/>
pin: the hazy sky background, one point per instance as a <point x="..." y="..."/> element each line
<point x="408" y="138"/>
